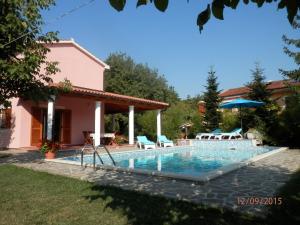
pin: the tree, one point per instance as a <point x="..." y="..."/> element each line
<point x="292" y="74"/>
<point x="258" y="86"/>
<point x="230" y="121"/>
<point x="212" y="116"/>
<point x="21" y="52"/>
<point x="129" y="78"/>
<point x="216" y="7"/>
<point x="264" y="118"/>
<point x="178" y="114"/>
<point x="289" y="122"/>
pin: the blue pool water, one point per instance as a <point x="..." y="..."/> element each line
<point x="202" y="157"/>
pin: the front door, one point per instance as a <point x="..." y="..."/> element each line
<point x="61" y="126"/>
<point x="65" y="130"/>
<point x="36" y="126"/>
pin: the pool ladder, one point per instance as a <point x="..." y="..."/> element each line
<point x="95" y="153"/>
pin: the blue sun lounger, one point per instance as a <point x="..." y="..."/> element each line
<point x="142" y="141"/>
<point x="163" y="141"/>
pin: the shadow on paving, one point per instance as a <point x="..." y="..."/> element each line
<point x="265" y="179"/>
<point x="255" y="183"/>
<point x="31" y="156"/>
<point x="140" y="209"/>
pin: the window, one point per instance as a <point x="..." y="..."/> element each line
<point x="5" y="118"/>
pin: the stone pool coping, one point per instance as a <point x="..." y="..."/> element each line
<point x="206" y="177"/>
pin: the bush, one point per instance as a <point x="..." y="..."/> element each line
<point x="230" y="121"/>
<point x="288" y="129"/>
<point x="288" y="211"/>
<point x="178" y="114"/>
<point x="146" y="124"/>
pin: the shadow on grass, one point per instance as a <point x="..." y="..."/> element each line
<point x="142" y="209"/>
<point x="289" y="211"/>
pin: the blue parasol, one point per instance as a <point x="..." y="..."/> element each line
<point x="241" y="103"/>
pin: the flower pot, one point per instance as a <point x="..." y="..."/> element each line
<point x="50" y="155"/>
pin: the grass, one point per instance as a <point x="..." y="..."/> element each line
<point x="30" y="197"/>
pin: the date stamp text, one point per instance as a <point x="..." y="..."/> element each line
<point x="259" y="200"/>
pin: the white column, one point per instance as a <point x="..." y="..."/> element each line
<point x="158" y="123"/>
<point x="159" y="163"/>
<point x="113" y="123"/>
<point x="131" y="163"/>
<point x="50" y="116"/>
<point x="97" y="123"/>
<point x="131" y="125"/>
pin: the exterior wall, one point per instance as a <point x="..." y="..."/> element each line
<point x="82" y="70"/>
<point x="201" y="107"/>
<point x="5" y="135"/>
<point x="83" y="116"/>
<point x="277" y="95"/>
<point x="82" y="119"/>
<point x="75" y="65"/>
<point x="19" y="133"/>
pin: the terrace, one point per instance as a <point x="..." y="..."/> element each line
<point x="260" y="179"/>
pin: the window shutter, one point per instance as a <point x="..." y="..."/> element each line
<point x="8" y="118"/>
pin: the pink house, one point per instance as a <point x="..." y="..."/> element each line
<point x="65" y="117"/>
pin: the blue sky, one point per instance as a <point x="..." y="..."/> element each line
<point x="171" y="42"/>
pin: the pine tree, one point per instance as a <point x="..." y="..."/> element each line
<point x="292" y="74"/>
<point x="212" y="116"/>
<point x="258" y="86"/>
<point x="265" y="118"/>
<point x="290" y="117"/>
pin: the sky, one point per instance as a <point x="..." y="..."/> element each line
<point x="171" y="42"/>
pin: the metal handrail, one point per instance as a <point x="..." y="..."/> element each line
<point x="95" y="152"/>
<point x="107" y="151"/>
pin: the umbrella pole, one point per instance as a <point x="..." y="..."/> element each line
<point x="241" y="119"/>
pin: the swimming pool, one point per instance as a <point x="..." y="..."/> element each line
<point x="202" y="160"/>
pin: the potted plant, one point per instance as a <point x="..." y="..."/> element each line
<point x="49" y="149"/>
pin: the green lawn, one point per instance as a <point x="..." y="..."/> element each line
<point x="30" y="197"/>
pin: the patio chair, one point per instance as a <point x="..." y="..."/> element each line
<point x="88" y="140"/>
<point x="142" y="141"/>
<point x="234" y="134"/>
<point x="209" y="136"/>
<point x="163" y="141"/>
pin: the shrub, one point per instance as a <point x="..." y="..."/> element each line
<point x="230" y="120"/>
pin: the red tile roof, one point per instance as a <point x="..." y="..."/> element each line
<point x="113" y="96"/>
<point x="273" y="85"/>
<point x="235" y="91"/>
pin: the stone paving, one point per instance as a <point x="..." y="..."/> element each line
<point x="260" y="179"/>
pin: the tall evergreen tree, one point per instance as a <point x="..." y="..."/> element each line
<point x="212" y="116"/>
<point x="258" y="85"/>
<point x="290" y="117"/>
<point x="293" y="75"/>
<point x="265" y="118"/>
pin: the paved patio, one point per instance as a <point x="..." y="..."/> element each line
<point x="260" y="179"/>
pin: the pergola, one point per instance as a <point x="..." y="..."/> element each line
<point x="114" y="103"/>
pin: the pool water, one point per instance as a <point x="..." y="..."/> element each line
<point x="194" y="160"/>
